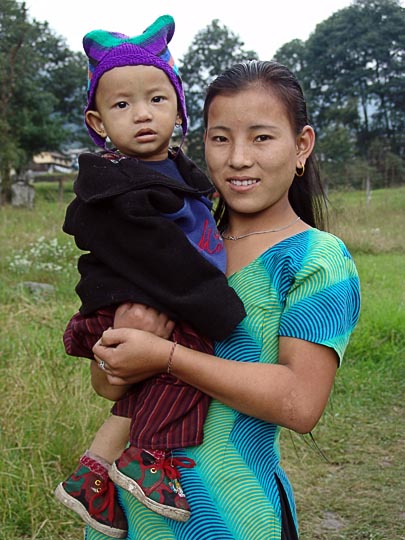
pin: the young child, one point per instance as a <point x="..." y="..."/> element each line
<point x="142" y="214"/>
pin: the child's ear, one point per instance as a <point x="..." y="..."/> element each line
<point x="93" y="119"/>
<point x="179" y="119"/>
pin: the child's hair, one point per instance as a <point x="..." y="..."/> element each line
<point x="306" y="193"/>
<point x="108" y="50"/>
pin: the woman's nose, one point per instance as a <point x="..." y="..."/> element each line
<point x="240" y="156"/>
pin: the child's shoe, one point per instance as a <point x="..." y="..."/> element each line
<point x="90" y="493"/>
<point x="153" y="478"/>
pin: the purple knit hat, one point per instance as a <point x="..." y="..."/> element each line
<point x="108" y="50"/>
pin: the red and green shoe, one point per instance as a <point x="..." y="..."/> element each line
<point x="90" y="493"/>
<point x="153" y="480"/>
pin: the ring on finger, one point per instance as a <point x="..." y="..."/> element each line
<point x="101" y="365"/>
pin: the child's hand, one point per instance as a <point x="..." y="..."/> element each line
<point x="143" y="318"/>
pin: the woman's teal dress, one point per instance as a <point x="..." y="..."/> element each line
<point x="305" y="287"/>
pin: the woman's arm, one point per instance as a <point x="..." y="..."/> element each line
<point x="292" y="393"/>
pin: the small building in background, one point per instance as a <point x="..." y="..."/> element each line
<point x="51" y="162"/>
<point x="55" y="162"/>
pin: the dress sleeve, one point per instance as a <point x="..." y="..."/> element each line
<point x="323" y="303"/>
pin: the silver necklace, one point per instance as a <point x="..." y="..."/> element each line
<point x="229" y="237"/>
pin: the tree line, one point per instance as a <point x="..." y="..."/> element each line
<point x="352" y="69"/>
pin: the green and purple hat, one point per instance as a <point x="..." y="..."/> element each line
<point x="107" y="50"/>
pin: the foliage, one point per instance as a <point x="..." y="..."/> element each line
<point x="213" y="50"/>
<point x="42" y="256"/>
<point x="50" y="413"/>
<point x="67" y="83"/>
<point x="352" y="69"/>
<point x="41" y="83"/>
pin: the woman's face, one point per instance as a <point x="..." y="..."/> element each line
<point x="252" y="150"/>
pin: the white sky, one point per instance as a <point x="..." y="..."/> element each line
<point x="263" y="26"/>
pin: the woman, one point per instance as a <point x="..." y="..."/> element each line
<point x="300" y="289"/>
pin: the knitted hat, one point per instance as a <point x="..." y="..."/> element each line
<point x="108" y="50"/>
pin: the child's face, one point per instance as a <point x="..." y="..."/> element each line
<point x="137" y="109"/>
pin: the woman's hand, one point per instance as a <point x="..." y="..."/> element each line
<point x="102" y="386"/>
<point x="111" y="379"/>
<point x="144" y="318"/>
<point x="129" y="356"/>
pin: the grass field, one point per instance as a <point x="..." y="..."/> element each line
<point x="349" y="483"/>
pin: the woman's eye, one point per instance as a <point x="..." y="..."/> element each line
<point x="263" y="138"/>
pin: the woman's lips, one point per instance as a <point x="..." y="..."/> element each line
<point x="242" y="184"/>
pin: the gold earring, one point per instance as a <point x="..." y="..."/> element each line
<point x="301" y="172"/>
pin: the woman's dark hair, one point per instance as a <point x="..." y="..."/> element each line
<point x="306" y="194"/>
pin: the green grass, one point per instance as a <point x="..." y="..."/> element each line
<point x="354" y="491"/>
<point x="370" y="227"/>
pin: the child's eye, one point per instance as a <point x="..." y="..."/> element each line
<point x="158" y="99"/>
<point x="121" y="105"/>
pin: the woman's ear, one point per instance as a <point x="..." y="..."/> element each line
<point x="93" y="120"/>
<point x="305" y="145"/>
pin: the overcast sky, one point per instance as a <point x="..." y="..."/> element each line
<point x="263" y="26"/>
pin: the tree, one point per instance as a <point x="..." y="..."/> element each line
<point x="293" y="55"/>
<point x="67" y="82"/>
<point x="213" y="50"/>
<point x="34" y="95"/>
<point x="352" y="68"/>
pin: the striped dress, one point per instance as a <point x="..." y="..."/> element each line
<point x="305" y="287"/>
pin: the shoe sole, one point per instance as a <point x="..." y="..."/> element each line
<point x="75" y="505"/>
<point x="132" y="487"/>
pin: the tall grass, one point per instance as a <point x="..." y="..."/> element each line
<point x="350" y="482"/>
<point x="354" y="490"/>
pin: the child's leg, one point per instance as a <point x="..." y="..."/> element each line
<point x="152" y="477"/>
<point x="147" y="468"/>
<point x="111" y="439"/>
<point x="89" y="491"/>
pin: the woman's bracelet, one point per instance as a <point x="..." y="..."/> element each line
<point x="170" y="361"/>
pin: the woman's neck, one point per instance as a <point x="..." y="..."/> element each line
<point x="272" y="219"/>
